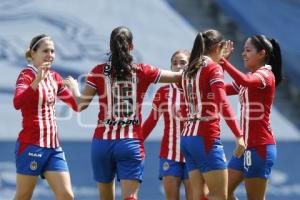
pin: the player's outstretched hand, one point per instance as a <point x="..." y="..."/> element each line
<point x="72" y="84"/>
<point x="228" y="49"/>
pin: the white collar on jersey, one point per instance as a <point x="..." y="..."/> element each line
<point x="269" y="67"/>
<point x="207" y="59"/>
<point x="33" y="68"/>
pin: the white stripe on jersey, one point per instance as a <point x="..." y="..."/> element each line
<point x="178" y="126"/>
<point x="23" y="86"/>
<point x="247" y="116"/>
<point x="114" y="132"/>
<point x="92" y="84"/>
<point x="243" y="109"/>
<point x="46" y="119"/>
<point x="183" y="80"/>
<point x="236" y="87"/>
<point x="108" y="105"/>
<point x="198" y="92"/>
<point x="130" y="127"/>
<point x="122" y="131"/>
<point x="189" y="103"/>
<point x="199" y="102"/>
<point x="50" y="110"/>
<point x="171" y="132"/>
<point x="216" y="80"/>
<point x="40" y="114"/>
<point x="54" y="90"/>
<point x="134" y="100"/>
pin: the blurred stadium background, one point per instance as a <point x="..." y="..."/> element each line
<point x="81" y="31"/>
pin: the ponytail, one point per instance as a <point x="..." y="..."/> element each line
<point x="275" y="62"/>
<point x="196" y="58"/>
<point x="121" y="59"/>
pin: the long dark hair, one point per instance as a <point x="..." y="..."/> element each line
<point x="273" y="54"/>
<point x="121" y="59"/>
<point x="204" y="43"/>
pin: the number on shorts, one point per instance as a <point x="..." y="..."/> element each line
<point x="247" y="158"/>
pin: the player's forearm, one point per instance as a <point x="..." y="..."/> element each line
<point x="239" y="77"/>
<point x="225" y="109"/>
<point x="230" y="90"/>
<point x="22" y="96"/>
<point x="150" y="123"/>
<point x="170" y="77"/>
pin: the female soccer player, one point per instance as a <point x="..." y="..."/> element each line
<point x="169" y="102"/>
<point x="117" y="147"/>
<point x="256" y="91"/>
<point x="203" y="86"/>
<point x="38" y="152"/>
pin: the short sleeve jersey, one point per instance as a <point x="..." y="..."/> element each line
<point x="120" y="101"/>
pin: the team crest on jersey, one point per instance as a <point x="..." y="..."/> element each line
<point x="33" y="165"/>
<point x="166" y="166"/>
<point x="50" y="99"/>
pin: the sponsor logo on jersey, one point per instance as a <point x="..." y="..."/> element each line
<point x="122" y="122"/>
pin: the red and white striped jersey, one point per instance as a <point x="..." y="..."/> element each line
<point x="120" y="102"/>
<point x="200" y="101"/>
<point x="256" y="104"/>
<point x="205" y="98"/>
<point x="170" y="102"/>
<point x="38" y="107"/>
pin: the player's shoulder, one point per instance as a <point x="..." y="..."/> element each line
<point x="144" y="67"/>
<point x="211" y="65"/>
<point x="100" y="68"/>
<point x="265" y="70"/>
<point x="28" y="71"/>
<point x="214" y="69"/>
